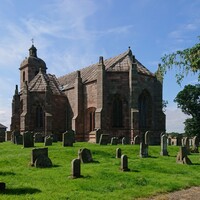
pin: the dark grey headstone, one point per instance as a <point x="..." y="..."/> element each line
<point x="43" y="161"/>
<point x="85" y="155"/>
<point x="104" y="139"/>
<point x="28" y="140"/>
<point x="68" y="138"/>
<point x="118" y="153"/>
<point x="137" y="139"/>
<point x="114" y="141"/>
<point x="18" y="139"/>
<point x="37" y="153"/>
<point x="48" y="141"/>
<point x="76" y="168"/>
<point x="38" y="137"/>
<point x="164" y="151"/>
<point x="124" y="141"/>
<point x="143" y="150"/>
<point x="124" y="163"/>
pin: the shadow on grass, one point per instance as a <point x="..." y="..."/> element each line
<point x="6" y="173"/>
<point x="20" y="191"/>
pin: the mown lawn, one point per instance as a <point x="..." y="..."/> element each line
<point x="102" y="179"/>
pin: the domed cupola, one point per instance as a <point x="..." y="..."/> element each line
<point x="30" y="66"/>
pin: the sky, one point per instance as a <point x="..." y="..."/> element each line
<point x="72" y="34"/>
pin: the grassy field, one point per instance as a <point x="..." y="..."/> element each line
<point x="102" y="179"/>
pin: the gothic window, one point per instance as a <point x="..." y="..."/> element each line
<point x="92" y="121"/>
<point x="23" y="76"/>
<point x="39" y="117"/>
<point x="145" y="110"/>
<point x="117" y="112"/>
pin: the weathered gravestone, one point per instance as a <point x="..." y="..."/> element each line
<point x="85" y="155"/>
<point x="38" y="137"/>
<point x="2" y="186"/>
<point x="68" y="138"/>
<point x="76" y="168"/>
<point x="164" y="151"/>
<point x="48" y="141"/>
<point x="169" y="141"/>
<point x="13" y="136"/>
<point x="137" y="139"/>
<point x="124" y="163"/>
<point x="143" y="150"/>
<point x="186" y="144"/>
<point x="124" y="141"/>
<point x="195" y="145"/>
<point x="147" y="138"/>
<point x="18" y="139"/>
<point x="8" y="135"/>
<point x="118" y="153"/>
<point x="28" y="140"/>
<point x="39" y="158"/>
<point x="179" y="140"/>
<point x="2" y="136"/>
<point x="182" y="156"/>
<point x="104" y="139"/>
<point x="114" y="141"/>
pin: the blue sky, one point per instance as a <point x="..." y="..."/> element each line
<point x="71" y="34"/>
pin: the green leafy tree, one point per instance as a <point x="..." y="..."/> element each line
<point x="185" y="61"/>
<point x="188" y="101"/>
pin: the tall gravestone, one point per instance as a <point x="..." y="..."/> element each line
<point x="124" y="163"/>
<point x="76" y="168"/>
<point x="28" y="140"/>
<point x="118" y="153"/>
<point x="195" y="145"/>
<point x="68" y="138"/>
<point x="137" y="139"/>
<point x="186" y="144"/>
<point x="124" y="141"/>
<point x="179" y="140"/>
<point x="164" y="151"/>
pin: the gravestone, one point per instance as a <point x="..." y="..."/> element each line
<point x="2" y="186"/>
<point x="28" y="140"/>
<point x="147" y="138"/>
<point x="124" y="163"/>
<point x="114" y="141"/>
<point x="179" y="140"/>
<point x="124" y="141"/>
<point x="85" y="155"/>
<point x="38" y="137"/>
<point x="2" y="136"/>
<point x="137" y="139"/>
<point x="186" y="144"/>
<point x="118" y="153"/>
<point x="8" y="135"/>
<point x="164" y="145"/>
<point x="48" y="141"/>
<point x="182" y="156"/>
<point x="76" y="168"/>
<point x="195" y="147"/>
<point x="18" y="139"/>
<point x="143" y="150"/>
<point x="39" y="158"/>
<point x="169" y="140"/>
<point x="13" y="136"/>
<point x="68" y="138"/>
<point x="104" y="139"/>
<point x="54" y="137"/>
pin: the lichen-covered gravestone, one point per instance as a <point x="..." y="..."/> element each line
<point x="85" y="155"/>
<point x="28" y="140"/>
<point x="76" y="168"/>
<point x="68" y="138"/>
<point x="124" y="163"/>
<point x="39" y="158"/>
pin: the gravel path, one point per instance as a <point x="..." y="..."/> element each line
<point x="192" y="193"/>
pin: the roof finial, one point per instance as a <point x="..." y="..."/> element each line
<point x="32" y="40"/>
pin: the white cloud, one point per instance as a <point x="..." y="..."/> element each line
<point x="174" y="120"/>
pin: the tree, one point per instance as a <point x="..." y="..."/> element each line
<point x="185" y="61"/>
<point x="188" y="101"/>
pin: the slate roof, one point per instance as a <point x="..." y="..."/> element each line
<point x="2" y="126"/>
<point x="42" y="82"/>
<point x="117" y="63"/>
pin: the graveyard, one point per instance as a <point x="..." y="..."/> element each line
<point x="101" y="177"/>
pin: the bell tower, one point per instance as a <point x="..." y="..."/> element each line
<point x="30" y="67"/>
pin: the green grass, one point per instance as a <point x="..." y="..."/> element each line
<point x="101" y="179"/>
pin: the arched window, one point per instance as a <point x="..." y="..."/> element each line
<point x="92" y="121"/>
<point x="145" y="110"/>
<point x="117" y="112"/>
<point x="39" y="117"/>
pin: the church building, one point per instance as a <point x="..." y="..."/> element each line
<point x="118" y="96"/>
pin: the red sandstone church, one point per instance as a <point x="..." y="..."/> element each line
<point x="119" y="96"/>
